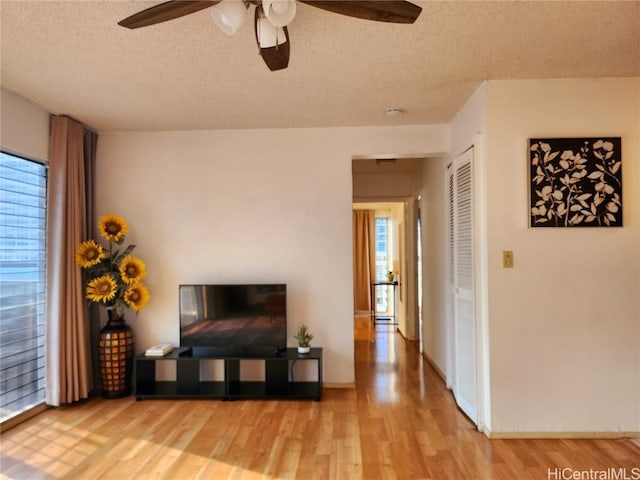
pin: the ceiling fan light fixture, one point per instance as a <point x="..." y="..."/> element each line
<point x="269" y="35"/>
<point x="280" y="13"/>
<point x="230" y="15"/>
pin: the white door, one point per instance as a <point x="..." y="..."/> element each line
<point x="461" y="274"/>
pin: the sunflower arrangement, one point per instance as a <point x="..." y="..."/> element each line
<point x="113" y="278"/>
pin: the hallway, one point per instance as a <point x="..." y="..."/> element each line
<point x="409" y="424"/>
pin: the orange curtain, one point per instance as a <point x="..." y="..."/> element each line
<point x="363" y="258"/>
<point x="67" y="332"/>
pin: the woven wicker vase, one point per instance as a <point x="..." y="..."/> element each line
<point x="116" y="348"/>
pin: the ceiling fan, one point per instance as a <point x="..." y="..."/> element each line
<point x="271" y="18"/>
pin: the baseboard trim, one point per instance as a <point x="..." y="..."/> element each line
<point x="435" y="367"/>
<point x="560" y="435"/>
<point x="338" y="385"/>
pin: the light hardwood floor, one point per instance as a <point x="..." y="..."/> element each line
<point x="398" y="423"/>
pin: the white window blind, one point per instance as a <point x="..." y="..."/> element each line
<point x="23" y="200"/>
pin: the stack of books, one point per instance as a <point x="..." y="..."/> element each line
<point x="159" y="350"/>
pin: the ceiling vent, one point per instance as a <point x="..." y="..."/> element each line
<point x="385" y="161"/>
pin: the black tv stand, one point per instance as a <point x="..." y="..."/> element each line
<point x="277" y="383"/>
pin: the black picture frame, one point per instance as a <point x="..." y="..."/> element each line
<point x="575" y="182"/>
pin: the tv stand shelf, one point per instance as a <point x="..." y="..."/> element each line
<point x="277" y="383"/>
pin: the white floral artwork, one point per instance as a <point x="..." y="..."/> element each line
<point x="575" y="182"/>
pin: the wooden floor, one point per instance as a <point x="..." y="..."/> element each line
<point x="399" y="423"/>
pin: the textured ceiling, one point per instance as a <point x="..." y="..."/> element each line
<point x="71" y="57"/>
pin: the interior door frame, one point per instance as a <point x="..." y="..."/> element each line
<point x="419" y="280"/>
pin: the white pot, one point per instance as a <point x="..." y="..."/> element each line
<point x="304" y="349"/>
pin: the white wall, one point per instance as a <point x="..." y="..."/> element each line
<point x="468" y="122"/>
<point x="565" y="322"/>
<point x="387" y="186"/>
<point x="563" y="326"/>
<point x="249" y="206"/>
<point x="434" y="262"/>
<point x="24" y="127"/>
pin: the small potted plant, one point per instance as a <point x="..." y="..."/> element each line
<point x="304" y="338"/>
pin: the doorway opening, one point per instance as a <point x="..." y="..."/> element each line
<point x="389" y="188"/>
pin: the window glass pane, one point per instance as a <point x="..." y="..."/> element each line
<point x="382" y="263"/>
<point x="23" y="198"/>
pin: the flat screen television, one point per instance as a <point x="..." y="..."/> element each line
<point x="233" y="319"/>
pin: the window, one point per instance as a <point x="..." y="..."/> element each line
<point x="383" y="262"/>
<point x="23" y="216"/>
<point x="382" y="248"/>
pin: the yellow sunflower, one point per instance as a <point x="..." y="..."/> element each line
<point x="101" y="289"/>
<point x="112" y="227"/>
<point x="132" y="269"/>
<point x="89" y="254"/>
<point x="136" y="296"/>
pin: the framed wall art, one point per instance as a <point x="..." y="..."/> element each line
<point x="575" y="182"/>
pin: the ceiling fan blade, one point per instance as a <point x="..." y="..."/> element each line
<point x="166" y="11"/>
<point x="392" y="11"/>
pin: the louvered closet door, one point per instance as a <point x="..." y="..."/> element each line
<point x="451" y="363"/>
<point x="462" y="293"/>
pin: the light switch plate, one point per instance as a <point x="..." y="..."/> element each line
<point x="507" y="259"/>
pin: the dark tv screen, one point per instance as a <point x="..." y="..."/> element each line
<point x="233" y="318"/>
